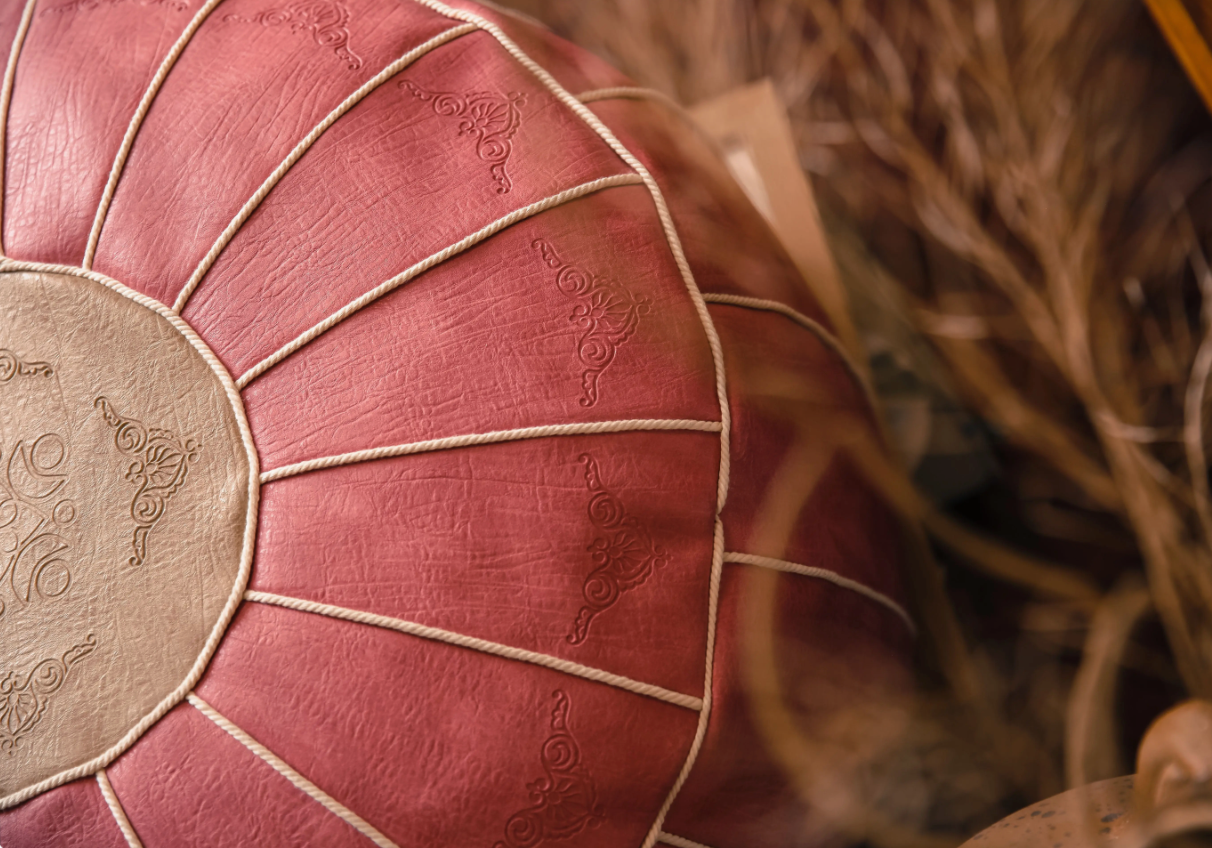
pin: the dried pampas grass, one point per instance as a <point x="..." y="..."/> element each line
<point x="1033" y="177"/>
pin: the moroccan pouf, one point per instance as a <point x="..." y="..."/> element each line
<point x="383" y="434"/>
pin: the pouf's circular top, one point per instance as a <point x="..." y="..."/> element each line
<point x="126" y="479"/>
<point x="520" y="366"/>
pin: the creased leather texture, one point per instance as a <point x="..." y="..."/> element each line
<point x="491" y="413"/>
<point x="123" y="502"/>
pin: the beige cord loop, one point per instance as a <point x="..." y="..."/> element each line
<point x="495" y="437"/>
<point x="425" y="264"/>
<point x="828" y="576"/>
<point x="115" y="808"/>
<point x="297" y="780"/>
<point x="302" y="147"/>
<point x="482" y="645"/>
<point x="680" y="841"/>
<point x="136" y="121"/>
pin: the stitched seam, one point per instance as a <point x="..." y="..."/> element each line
<point x="717" y="354"/>
<point x="302" y="147"/>
<point x="823" y="334"/>
<point x="250" y="528"/>
<point x="626" y="92"/>
<point x="428" y="263"/>
<point x="495" y="437"/>
<point x="436" y="634"/>
<point x="827" y="575"/>
<point x="136" y="122"/>
<point x="607" y="136"/>
<point x="297" y="780"/>
<point x="680" y="841"/>
<point x="115" y="808"/>
<point x="6" y="98"/>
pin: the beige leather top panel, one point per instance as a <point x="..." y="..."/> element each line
<point x="124" y="493"/>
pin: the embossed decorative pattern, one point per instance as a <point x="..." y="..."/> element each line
<point x="491" y="120"/>
<point x="159" y="470"/>
<point x="607" y="315"/>
<point x="23" y="700"/>
<point x="564" y="800"/>
<point x="13" y="366"/>
<point x="34" y="515"/>
<point x="325" y="19"/>
<point x="623" y="553"/>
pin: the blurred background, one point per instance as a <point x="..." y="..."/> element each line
<point x="1010" y="216"/>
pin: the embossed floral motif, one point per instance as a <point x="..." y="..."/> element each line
<point x="90" y="5"/>
<point x="491" y="120"/>
<point x="23" y="700"/>
<point x="35" y="516"/>
<point x="326" y="20"/>
<point x="606" y="313"/>
<point x="564" y="801"/>
<point x="623" y="552"/>
<point x="160" y="468"/>
<point x="13" y="366"/>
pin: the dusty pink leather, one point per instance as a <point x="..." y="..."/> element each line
<point x="432" y="744"/>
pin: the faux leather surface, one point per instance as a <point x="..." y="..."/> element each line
<point x="218" y="792"/>
<point x="594" y="549"/>
<point x="486" y="727"/>
<point x="123" y="502"/>
<point x="385" y="537"/>
<point x="71" y="106"/>
<point x="474" y="362"/>
<point x="73" y="816"/>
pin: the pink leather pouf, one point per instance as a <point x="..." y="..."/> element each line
<point x="384" y="422"/>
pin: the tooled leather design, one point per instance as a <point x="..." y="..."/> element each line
<point x="23" y="700"/>
<point x="564" y="801"/>
<point x="90" y="5"/>
<point x="491" y="120"/>
<point x="326" y="19"/>
<point x="13" y="366"/>
<point x="606" y="313"/>
<point x="160" y="468"/>
<point x="623" y="552"/>
<point x="34" y="517"/>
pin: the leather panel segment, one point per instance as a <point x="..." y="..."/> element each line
<point x="497" y="339"/>
<point x="70" y="109"/>
<point x="72" y="816"/>
<point x="457" y="735"/>
<point x="254" y="80"/>
<point x="503" y="542"/>
<point x="399" y="172"/>
<point x="219" y="792"/>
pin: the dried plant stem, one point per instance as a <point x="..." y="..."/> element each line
<point x="1091" y="750"/>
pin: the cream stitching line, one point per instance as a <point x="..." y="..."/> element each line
<point x="425" y="264"/>
<point x="823" y="334"/>
<point x="297" y="780"/>
<point x="495" y="437"/>
<point x="136" y="122"/>
<point x="6" y="98"/>
<point x="827" y="575"/>
<point x="115" y="807"/>
<point x="627" y="92"/>
<point x="302" y="147"/>
<point x="484" y="646"/>
<point x="717" y="354"/>
<point x="680" y="841"/>
<point x="250" y="527"/>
